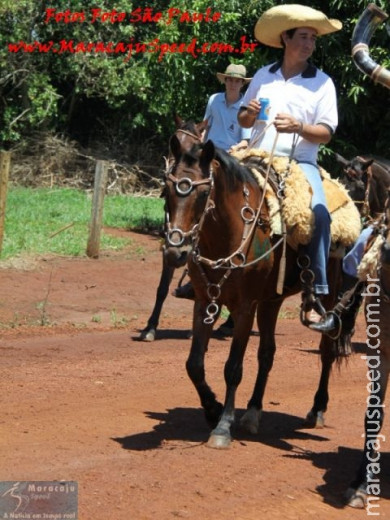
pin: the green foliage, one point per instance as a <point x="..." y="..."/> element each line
<point x="120" y="99"/>
<point x="36" y="220"/>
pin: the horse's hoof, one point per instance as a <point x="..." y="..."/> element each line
<point x="314" y="420"/>
<point x="219" y="442"/>
<point x="356" y="498"/>
<point x="148" y="335"/>
<point x="250" y="421"/>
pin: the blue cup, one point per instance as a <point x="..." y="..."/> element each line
<point x="264" y="109"/>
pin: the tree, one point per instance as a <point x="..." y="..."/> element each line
<point x="68" y="78"/>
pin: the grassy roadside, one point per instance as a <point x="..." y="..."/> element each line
<point x="42" y="220"/>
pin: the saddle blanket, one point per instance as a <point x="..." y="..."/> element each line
<point x="370" y="261"/>
<point x="295" y="206"/>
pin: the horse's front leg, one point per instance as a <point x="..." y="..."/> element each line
<point x="267" y="314"/>
<point x="195" y="365"/>
<point x="221" y="435"/>
<point x="149" y="332"/>
<point x="315" y="418"/>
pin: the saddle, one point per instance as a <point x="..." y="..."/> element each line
<point x="294" y="208"/>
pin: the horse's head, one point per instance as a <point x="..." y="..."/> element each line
<point x="188" y="132"/>
<point x="188" y="183"/>
<point x="355" y="178"/>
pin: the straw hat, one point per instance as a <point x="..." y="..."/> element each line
<point x="233" y="71"/>
<point x="281" y="18"/>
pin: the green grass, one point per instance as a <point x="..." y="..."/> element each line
<point x="35" y="218"/>
<point x="139" y="213"/>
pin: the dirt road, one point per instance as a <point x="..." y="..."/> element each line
<point x="84" y="400"/>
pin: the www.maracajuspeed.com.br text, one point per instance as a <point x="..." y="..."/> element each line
<point x="131" y="48"/>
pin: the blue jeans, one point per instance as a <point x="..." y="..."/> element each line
<point x="319" y="246"/>
<point x="353" y="258"/>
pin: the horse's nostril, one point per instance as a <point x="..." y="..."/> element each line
<point x="176" y="257"/>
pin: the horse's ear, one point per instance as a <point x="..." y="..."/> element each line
<point x="201" y="126"/>
<point x="178" y="120"/>
<point x="365" y="162"/>
<point x="340" y="159"/>
<point x="175" y="147"/>
<point x="208" y="152"/>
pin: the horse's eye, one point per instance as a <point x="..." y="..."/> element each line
<point x="203" y="194"/>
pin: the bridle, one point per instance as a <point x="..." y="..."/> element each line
<point x="250" y="216"/>
<point x="174" y="236"/>
<point x="183" y="188"/>
<point x="187" y="132"/>
<point x="238" y="259"/>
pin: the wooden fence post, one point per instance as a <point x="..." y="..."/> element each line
<point x="5" y="161"/>
<point x="95" y="225"/>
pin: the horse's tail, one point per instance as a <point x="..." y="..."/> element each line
<point x="371" y="17"/>
<point x="344" y="341"/>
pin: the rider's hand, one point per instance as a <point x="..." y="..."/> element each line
<point x="287" y="124"/>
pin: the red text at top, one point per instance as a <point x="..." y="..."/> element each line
<point x="142" y="15"/>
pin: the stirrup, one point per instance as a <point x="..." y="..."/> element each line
<point x="310" y="302"/>
<point x="335" y="332"/>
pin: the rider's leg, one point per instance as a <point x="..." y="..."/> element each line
<point x="350" y="297"/>
<point x="318" y="248"/>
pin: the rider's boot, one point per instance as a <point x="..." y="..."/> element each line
<point x="343" y="315"/>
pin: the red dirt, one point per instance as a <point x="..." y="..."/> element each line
<point x="84" y="400"/>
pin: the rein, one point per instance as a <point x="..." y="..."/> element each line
<point x="366" y="202"/>
<point x="251" y="220"/>
<point x="250" y="223"/>
<point x="238" y="259"/>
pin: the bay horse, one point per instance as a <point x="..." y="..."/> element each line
<point x="217" y="216"/>
<point x="366" y="486"/>
<point x="367" y="179"/>
<point x="187" y="133"/>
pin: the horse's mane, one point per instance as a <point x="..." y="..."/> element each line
<point x="233" y="169"/>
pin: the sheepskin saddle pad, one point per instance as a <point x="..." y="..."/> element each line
<point x="295" y="206"/>
<point x="370" y="261"/>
